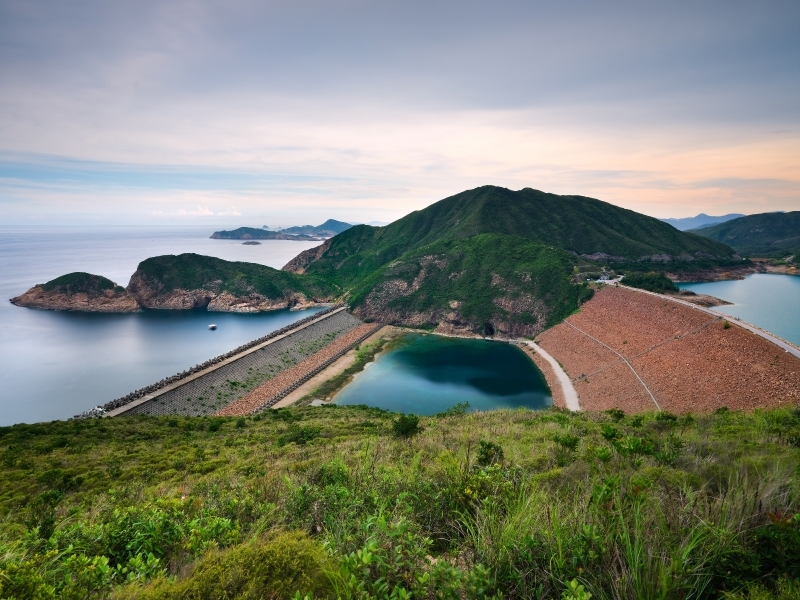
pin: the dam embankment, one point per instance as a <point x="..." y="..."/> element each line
<point x="639" y="351"/>
<point x="209" y="389"/>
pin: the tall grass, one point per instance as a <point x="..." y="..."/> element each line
<point x="511" y="504"/>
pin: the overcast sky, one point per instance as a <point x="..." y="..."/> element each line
<point x="281" y="113"/>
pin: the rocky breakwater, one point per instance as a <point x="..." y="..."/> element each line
<point x="79" y="292"/>
<point x="99" y="411"/>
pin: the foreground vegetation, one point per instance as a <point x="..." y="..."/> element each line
<point x="358" y="503"/>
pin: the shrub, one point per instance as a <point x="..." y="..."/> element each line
<point x="652" y="282"/>
<point x="489" y="453"/>
<point x="299" y="435"/>
<point x="406" y="426"/>
<point x="256" y="571"/>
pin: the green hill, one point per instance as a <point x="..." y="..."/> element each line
<point x="577" y="224"/>
<point x="511" y="504"/>
<point x="409" y="271"/>
<point x="764" y="235"/>
<point x="157" y="277"/>
<point x="79" y="282"/>
<point x="486" y="283"/>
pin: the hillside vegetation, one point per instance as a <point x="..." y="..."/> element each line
<point x="505" y="284"/>
<point x="78" y="282"/>
<point x="584" y="226"/>
<point x="358" y="503"/>
<point x="163" y="274"/>
<point x="766" y="235"/>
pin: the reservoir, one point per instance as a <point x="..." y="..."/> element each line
<point x="771" y="302"/>
<point x="427" y="374"/>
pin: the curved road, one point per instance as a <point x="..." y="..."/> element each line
<point x="570" y="395"/>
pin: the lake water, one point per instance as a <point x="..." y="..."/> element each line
<point x="54" y="365"/>
<point x="427" y="374"/>
<point x="769" y="301"/>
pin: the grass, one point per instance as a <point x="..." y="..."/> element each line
<point x="327" y="501"/>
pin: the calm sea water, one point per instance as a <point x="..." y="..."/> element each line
<point x="769" y="301"/>
<point x="427" y="374"/>
<point x="54" y="365"/>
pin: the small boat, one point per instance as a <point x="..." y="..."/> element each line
<point x="212" y="327"/>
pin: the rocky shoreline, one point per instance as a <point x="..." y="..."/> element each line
<point x="107" y="301"/>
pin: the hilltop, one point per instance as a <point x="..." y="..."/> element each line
<point x="764" y="235"/>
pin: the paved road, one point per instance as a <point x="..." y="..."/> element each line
<point x="784" y="345"/>
<point x="570" y="395"/>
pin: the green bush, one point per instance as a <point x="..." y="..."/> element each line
<point x="259" y="570"/>
<point x="406" y="426"/>
<point x="652" y="282"/>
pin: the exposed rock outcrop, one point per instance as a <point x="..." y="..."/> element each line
<point x="300" y="263"/>
<point x="150" y="293"/>
<point x="79" y="292"/>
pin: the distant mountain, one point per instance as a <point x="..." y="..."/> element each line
<point x="252" y="233"/>
<point x="774" y="234"/>
<point x="701" y="220"/>
<point x="328" y="229"/>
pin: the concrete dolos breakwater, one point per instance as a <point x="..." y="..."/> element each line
<point x="241" y="369"/>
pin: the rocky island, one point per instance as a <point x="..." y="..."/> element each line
<point x="81" y="292"/>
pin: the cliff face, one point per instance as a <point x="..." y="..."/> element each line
<point x="113" y="300"/>
<point x="149" y="292"/>
<point x="300" y="263"/>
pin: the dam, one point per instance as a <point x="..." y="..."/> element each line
<point x="273" y="366"/>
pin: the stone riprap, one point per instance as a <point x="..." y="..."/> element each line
<point x="140" y="393"/>
<point x="210" y="392"/>
<point x="289" y="380"/>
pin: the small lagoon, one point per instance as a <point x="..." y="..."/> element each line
<point x="427" y="374"/>
<point x="769" y="301"/>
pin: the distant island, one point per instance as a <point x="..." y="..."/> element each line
<point x="329" y="228"/>
<point x="303" y="233"/>
<point x="253" y="233"/>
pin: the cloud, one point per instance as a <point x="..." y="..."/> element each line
<point x="366" y="111"/>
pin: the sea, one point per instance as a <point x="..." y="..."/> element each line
<point x="54" y="364"/>
<point x="769" y="301"/>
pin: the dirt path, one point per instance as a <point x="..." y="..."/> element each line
<point x="564" y="394"/>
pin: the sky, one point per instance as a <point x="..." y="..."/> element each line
<point x="195" y="113"/>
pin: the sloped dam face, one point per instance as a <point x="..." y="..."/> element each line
<point x="427" y="374"/>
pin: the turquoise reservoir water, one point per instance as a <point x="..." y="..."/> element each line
<point x="771" y="302"/>
<point x="427" y="374"/>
